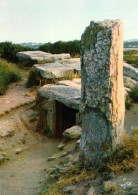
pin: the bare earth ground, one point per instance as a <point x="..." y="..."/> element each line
<point x="24" y="173"/>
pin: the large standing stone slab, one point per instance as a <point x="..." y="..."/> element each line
<point x="102" y="102"/>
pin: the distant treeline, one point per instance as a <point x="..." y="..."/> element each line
<point x="72" y="47"/>
<point x="8" y="50"/>
<point x="130" y="44"/>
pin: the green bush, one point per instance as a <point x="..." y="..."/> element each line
<point x="134" y="94"/>
<point x="131" y="57"/>
<point x="72" y="47"/>
<point x="8" y="50"/>
<point x="33" y="79"/>
<point x="8" y="73"/>
<point x="132" y="97"/>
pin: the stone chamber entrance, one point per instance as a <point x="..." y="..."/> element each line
<point x="65" y="118"/>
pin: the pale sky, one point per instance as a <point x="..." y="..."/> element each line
<point x="54" y="20"/>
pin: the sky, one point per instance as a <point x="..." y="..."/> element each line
<point x="54" y="20"/>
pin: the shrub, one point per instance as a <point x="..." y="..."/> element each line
<point x="128" y="102"/>
<point x="72" y="47"/>
<point x="8" y="73"/>
<point x="33" y="79"/>
<point x="131" y="57"/>
<point x="8" y="50"/>
<point x="132" y="97"/>
<point x="134" y="94"/>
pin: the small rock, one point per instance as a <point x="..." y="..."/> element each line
<point x="61" y="146"/>
<point x="73" y="132"/>
<point x="69" y="189"/>
<point x="6" y="132"/>
<point x="91" y="191"/>
<point x="51" y="158"/>
<point x="64" y="154"/>
<point x="65" y="169"/>
<point x="18" y="150"/>
<point x="77" y="145"/>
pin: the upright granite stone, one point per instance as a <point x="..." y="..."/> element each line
<point x="102" y="94"/>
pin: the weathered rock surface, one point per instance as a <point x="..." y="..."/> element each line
<point x="91" y="191"/>
<point x="54" y="70"/>
<point x="74" y="63"/>
<point x="6" y="132"/>
<point x="73" y="132"/>
<point x="66" y="92"/>
<point x="61" y="146"/>
<point x="129" y="83"/>
<point x="40" y="56"/>
<point x="18" y="150"/>
<point x="130" y="71"/>
<point x="102" y="90"/>
<point x="59" y="69"/>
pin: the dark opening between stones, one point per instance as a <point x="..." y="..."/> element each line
<point x="65" y="118"/>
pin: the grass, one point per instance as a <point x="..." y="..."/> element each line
<point x="72" y="177"/>
<point x="125" y="158"/>
<point x="132" y="97"/>
<point x="131" y="57"/>
<point x="8" y="73"/>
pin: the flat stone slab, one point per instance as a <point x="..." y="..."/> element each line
<point x="67" y="92"/>
<point x="54" y="70"/>
<point x="74" y="63"/>
<point x="27" y="55"/>
<point x="41" y="56"/>
<point x="59" y="69"/>
<point x="130" y="71"/>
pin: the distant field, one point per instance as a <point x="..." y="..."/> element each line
<point x="131" y="57"/>
<point x="128" y="49"/>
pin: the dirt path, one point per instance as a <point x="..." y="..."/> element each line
<point x="26" y="149"/>
<point x="24" y="173"/>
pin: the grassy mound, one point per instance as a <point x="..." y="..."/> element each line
<point x="8" y="73"/>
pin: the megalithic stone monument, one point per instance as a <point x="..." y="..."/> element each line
<point x="102" y="98"/>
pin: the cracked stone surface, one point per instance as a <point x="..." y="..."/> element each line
<point x="102" y="94"/>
